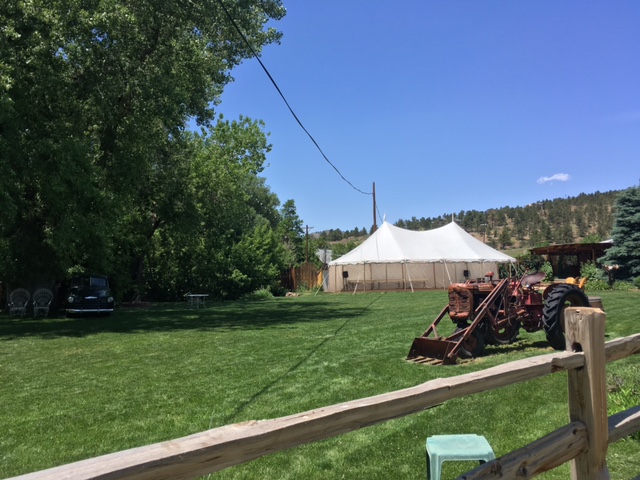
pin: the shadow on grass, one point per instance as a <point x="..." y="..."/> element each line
<point x="520" y="345"/>
<point x="176" y="317"/>
<point x="349" y="317"/>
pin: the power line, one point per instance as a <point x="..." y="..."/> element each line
<point x="380" y="216"/>
<point x="235" y="25"/>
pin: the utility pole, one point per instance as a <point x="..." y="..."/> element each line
<point x="307" y="248"/>
<point x="375" y="227"/>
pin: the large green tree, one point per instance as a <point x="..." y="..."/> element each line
<point x="228" y="244"/>
<point x="625" y="251"/>
<point x="94" y="99"/>
<point x="292" y="233"/>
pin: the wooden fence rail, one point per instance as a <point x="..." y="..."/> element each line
<point x="220" y="448"/>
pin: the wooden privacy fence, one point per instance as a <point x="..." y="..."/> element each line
<point x="305" y="275"/>
<point x="308" y="275"/>
<point x="583" y="442"/>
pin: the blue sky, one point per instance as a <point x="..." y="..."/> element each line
<point x="446" y="106"/>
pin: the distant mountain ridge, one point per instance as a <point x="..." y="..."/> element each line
<point x="587" y="217"/>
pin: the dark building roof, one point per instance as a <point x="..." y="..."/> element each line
<point x="596" y="249"/>
<point x="567" y="259"/>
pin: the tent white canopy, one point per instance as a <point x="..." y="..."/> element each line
<point x="395" y="258"/>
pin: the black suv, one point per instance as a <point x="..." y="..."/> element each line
<point x="89" y="294"/>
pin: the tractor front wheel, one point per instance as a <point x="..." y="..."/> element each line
<point x="503" y="332"/>
<point x="474" y="345"/>
<point x="561" y="297"/>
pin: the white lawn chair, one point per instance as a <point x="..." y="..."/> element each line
<point x="18" y="301"/>
<point x="42" y="301"/>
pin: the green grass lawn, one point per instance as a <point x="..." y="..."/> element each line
<point x="78" y="388"/>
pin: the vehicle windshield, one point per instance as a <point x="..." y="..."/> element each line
<point x="89" y="282"/>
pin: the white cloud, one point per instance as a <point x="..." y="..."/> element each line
<point x="558" y="177"/>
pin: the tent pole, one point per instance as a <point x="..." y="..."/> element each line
<point x="435" y="279"/>
<point x="446" y="269"/>
<point x="409" y="277"/>
<point x="386" y="274"/>
<point x="405" y="276"/>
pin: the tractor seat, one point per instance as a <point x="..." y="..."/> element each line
<point x="532" y="279"/>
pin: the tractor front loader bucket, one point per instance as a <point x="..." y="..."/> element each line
<point x="432" y="351"/>
<point x="431" y="348"/>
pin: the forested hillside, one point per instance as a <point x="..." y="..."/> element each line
<point x="587" y="217"/>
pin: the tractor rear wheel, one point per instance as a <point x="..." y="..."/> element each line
<point x="561" y="297"/>
<point x="474" y="345"/>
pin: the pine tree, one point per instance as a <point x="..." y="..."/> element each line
<point x="625" y="251"/>
<point x="505" y="237"/>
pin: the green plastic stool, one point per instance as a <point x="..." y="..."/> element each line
<point x="442" y="448"/>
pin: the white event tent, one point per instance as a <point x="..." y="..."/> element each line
<point x="394" y="258"/>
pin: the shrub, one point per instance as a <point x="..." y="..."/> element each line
<point x="548" y="271"/>
<point x="622" y="286"/>
<point x="637" y="282"/>
<point x="590" y="271"/>
<point x="597" y="284"/>
<point x="530" y="261"/>
<point x="302" y="287"/>
<point x="278" y="290"/>
<point x="596" y="278"/>
<point x="262" y="294"/>
<point x="504" y="270"/>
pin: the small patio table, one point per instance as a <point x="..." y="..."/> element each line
<point x="196" y="299"/>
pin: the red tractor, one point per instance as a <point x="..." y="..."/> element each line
<point x="492" y="312"/>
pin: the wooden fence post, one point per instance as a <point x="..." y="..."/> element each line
<point x="588" y="390"/>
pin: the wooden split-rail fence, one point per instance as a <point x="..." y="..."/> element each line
<point x="583" y="442"/>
